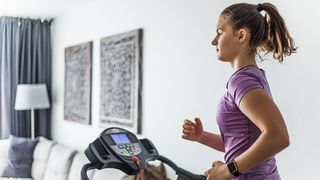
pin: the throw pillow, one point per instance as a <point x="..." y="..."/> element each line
<point x="20" y="157"/>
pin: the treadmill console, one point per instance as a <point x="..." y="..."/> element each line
<point x="115" y="147"/>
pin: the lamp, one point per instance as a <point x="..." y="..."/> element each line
<point x="31" y="97"/>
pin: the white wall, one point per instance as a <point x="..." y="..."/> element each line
<point x="183" y="78"/>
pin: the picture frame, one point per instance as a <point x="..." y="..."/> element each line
<point x="121" y="80"/>
<point x="77" y="90"/>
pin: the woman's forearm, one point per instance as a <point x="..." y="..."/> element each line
<point x="267" y="145"/>
<point x="212" y="140"/>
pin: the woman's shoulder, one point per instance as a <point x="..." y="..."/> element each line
<point x="247" y="73"/>
<point x="245" y="80"/>
<point x="249" y="70"/>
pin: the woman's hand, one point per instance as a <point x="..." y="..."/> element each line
<point x="192" y="131"/>
<point x="219" y="171"/>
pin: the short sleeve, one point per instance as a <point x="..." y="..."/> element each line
<point x="240" y="84"/>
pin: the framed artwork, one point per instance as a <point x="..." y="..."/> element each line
<point x="120" y="64"/>
<point x="77" y="89"/>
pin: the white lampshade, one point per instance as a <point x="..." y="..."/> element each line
<point x="32" y="96"/>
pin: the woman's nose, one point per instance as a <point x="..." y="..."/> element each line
<point x="214" y="41"/>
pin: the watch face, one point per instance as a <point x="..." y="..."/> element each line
<point x="232" y="167"/>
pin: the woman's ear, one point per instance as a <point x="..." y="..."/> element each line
<point x="242" y="35"/>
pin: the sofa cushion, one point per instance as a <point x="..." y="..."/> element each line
<point x="20" y="157"/>
<point x="59" y="163"/>
<point x="40" y="158"/>
<point x="4" y="147"/>
<point x="79" y="160"/>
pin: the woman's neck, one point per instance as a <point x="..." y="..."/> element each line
<point x="244" y="60"/>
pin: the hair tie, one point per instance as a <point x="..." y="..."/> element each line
<point x="260" y="7"/>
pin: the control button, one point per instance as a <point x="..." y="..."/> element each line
<point x="135" y="149"/>
<point x="124" y="153"/>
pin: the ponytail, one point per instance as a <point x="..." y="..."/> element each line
<point x="279" y="41"/>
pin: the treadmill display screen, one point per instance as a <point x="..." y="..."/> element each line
<point x="121" y="138"/>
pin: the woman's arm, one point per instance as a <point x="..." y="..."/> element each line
<point x="263" y="112"/>
<point x="212" y="140"/>
<point x="193" y="131"/>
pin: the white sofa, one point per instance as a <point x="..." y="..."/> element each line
<point x="53" y="161"/>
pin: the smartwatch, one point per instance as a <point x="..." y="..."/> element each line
<point x="232" y="166"/>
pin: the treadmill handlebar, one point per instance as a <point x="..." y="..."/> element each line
<point x="182" y="173"/>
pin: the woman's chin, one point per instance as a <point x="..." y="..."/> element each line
<point x="221" y="58"/>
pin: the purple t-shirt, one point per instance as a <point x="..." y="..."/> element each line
<point x="237" y="130"/>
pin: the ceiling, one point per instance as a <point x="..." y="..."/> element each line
<point x="37" y="8"/>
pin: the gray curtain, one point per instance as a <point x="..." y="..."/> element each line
<point x="25" y="58"/>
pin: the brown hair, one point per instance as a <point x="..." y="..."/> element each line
<point x="268" y="33"/>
